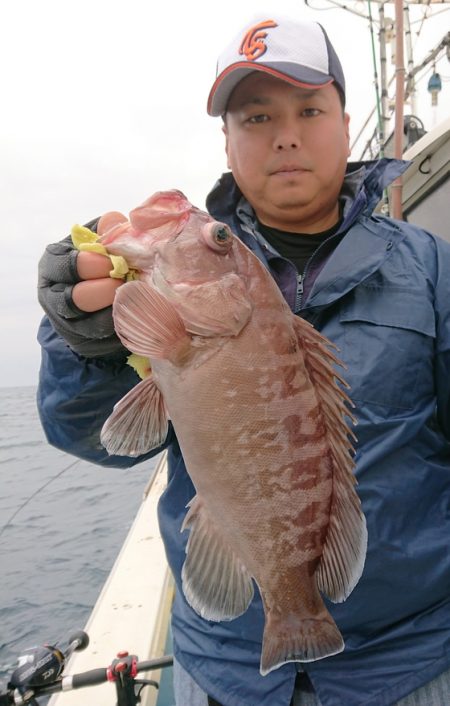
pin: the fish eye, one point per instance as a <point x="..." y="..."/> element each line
<point x="218" y="236"/>
<point x="221" y="233"/>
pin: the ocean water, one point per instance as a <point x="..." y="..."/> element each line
<point x="62" y="523"/>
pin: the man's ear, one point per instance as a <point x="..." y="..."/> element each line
<point x="347" y="132"/>
<point x="225" y="132"/>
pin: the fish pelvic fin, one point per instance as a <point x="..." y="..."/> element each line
<point x="216" y="584"/>
<point x="138" y="423"/>
<point x="148" y="324"/>
<point x="344" y="552"/>
<point x="291" y="638"/>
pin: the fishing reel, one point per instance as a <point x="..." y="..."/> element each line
<point x="37" y="666"/>
<point x="43" y="665"/>
<point x="40" y="673"/>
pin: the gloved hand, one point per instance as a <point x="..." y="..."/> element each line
<point x="87" y="328"/>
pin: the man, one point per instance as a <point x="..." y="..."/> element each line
<point x="380" y="290"/>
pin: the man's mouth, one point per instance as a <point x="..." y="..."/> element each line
<point x="286" y="169"/>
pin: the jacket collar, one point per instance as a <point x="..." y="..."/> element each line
<point x="362" y="189"/>
<point x="369" y="239"/>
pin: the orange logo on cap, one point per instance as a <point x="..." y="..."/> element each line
<point x="253" y="45"/>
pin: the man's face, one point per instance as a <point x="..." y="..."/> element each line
<point x="287" y="148"/>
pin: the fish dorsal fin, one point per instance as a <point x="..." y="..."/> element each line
<point x="148" y="324"/>
<point x="138" y="423"/>
<point x="345" y="548"/>
<point x="215" y="582"/>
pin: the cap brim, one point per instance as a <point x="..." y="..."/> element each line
<point x="226" y="82"/>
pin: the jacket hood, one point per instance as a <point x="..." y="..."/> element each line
<point x="362" y="189"/>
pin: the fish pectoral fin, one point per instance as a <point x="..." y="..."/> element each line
<point x="293" y="638"/>
<point x="148" y="324"/>
<point x="138" y="423"/>
<point x="215" y="582"/>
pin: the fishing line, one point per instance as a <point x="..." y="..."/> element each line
<point x="36" y="492"/>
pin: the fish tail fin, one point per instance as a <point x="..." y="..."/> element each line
<point x="290" y="638"/>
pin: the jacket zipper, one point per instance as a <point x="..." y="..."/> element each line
<point x="301" y="278"/>
<point x="299" y="295"/>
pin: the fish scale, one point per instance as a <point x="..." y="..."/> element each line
<point x="261" y="417"/>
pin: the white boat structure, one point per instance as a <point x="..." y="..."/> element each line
<point x="426" y="184"/>
<point x="132" y="612"/>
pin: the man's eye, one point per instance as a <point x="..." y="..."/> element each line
<point x="258" y="118"/>
<point x="311" y="112"/>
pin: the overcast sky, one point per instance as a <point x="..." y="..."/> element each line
<point x="103" y="103"/>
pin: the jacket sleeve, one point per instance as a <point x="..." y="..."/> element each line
<point x="442" y="309"/>
<point x="76" y="395"/>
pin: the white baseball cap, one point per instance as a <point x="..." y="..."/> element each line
<point x="296" y="51"/>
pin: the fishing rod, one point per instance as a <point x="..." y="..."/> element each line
<point x="40" y="672"/>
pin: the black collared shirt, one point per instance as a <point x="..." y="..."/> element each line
<point x="296" y="247"/>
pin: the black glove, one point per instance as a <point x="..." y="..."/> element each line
<point x="89" y="334"/>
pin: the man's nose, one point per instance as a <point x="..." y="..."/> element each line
<point x="287" y="138"/>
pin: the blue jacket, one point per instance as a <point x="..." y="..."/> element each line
<point x="383" y="297"/>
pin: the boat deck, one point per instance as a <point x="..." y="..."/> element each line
<point x="132" y="612"/>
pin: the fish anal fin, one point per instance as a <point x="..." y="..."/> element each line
<point x="345" y="547"/>
<point x="138" y="423"/>
<point x="215" y="582"/>
<point x="148" y="324"/>
<point x="290" y="638"/>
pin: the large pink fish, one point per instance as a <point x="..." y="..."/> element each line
<point x="252" y="393"/>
